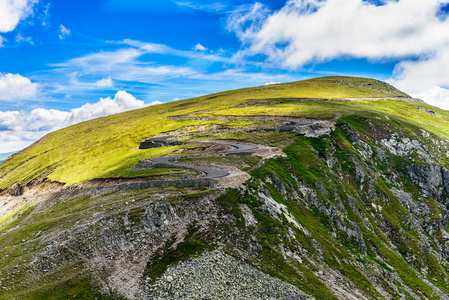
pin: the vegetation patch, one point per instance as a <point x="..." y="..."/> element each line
<point x="171" y="254"/>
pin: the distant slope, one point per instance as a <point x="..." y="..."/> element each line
<point x="106" y="147"/>
<point x="4" y="156"/>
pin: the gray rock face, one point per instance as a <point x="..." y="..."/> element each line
<point x="158" y="217"/>
<point x="216" y="275"/>
<point x="143" y="165"/>
<point x="404" y="146"/>
<point x="315" y="129"/>
<point x="433" y="180"/>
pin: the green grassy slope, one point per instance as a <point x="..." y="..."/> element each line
<point x="106" y="147"/>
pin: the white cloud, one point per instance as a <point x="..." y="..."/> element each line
<point x="426" y="78"/>
<point x="123" y="65"/>
<point x="2" y="40"/>
<point x="246" y="20"/>
<point x="438" y="96"/>
<point x="45" y="15"/>
<point x="105" y="83"/>
<point x="214" y="7"/>
<point x="16" y="87"/>
<point x="314" y="31"/>
<point x="199" y="47"/>
<point x="123" y="101"/>
<point x="63" y="32"/>
<point x="22" y="39"/>
<point x="41" y="119"/>
<point x="51" y="119"/>
<point x="12" y="141"/>
<point x="149" y="48"/>
<point x="18" y="128"/>
<point x="13" y="11"/>
<point x="133" y="64"/>
<point x="102" y="60"/>
<point x="245" y="75"/>
<point x="271" y="82"/>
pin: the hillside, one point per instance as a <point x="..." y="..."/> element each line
<point x="328" y="188"/>
<point x="105" y="147"/>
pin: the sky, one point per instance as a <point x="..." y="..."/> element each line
<point x="64" y="62"/>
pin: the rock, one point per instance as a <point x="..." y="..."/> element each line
<point x="217" y="275"/>
<point x="145" y="164"/>
<point x="250" y="220"/>
<point x="315" y="129"/>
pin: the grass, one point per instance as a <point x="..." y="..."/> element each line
<point x="74" y="288"/>
<point x="334" y="110"/>
<point x="108" y="146"/>
<point x="166" y="173"/>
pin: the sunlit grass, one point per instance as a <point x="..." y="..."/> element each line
<point x="108" y="146"/>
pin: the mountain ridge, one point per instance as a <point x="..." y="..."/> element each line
<point x="4" y="156"/>
<point x="351" y="202"/>
<point x="333" y="85"/>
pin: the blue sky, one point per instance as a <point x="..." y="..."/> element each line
<point x="62" y="62"/>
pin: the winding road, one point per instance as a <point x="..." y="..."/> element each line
<point x="208" y="172"/>
<point x="290" y="124"/>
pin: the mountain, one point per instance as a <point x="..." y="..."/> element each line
<point x="328" y="188"/>
<point x="4" y="156"/>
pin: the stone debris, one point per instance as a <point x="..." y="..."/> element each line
<point x="216" y="275"/>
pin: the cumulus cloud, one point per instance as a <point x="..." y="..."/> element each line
<point x="14" y="141"/>
<point x="312" y="31"/>
<point x="315" y="30"/>
<point x="13" y="11"/>
<point x="271" y="82"/>
<point x="19" y="129"/>
<point x="16" y="87"/>
<point x="123" y="101"/>
<point x="63" y="32"/>
<point x="199" y="47"/>
<point x="426" y="78"/>
<point x="105" y="83"/>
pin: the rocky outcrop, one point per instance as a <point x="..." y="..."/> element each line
<point x="433" y="180"/>
<point x="307" y="127"/>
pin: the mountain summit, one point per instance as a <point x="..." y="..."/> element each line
<point x="328" y="188"/>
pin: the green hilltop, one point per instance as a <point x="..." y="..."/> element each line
<point x="107" y="147"/>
